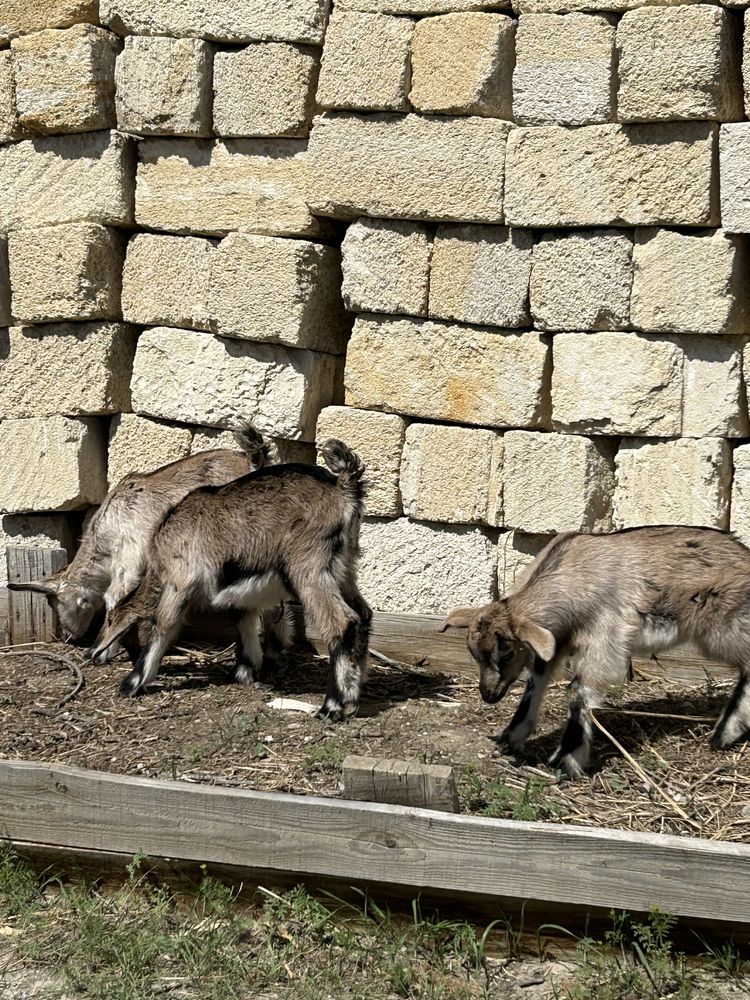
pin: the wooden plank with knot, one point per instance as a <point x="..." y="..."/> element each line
<point x="30" y="615"/>
<point x="400" y="782"/>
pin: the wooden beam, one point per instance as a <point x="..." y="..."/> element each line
<point x="30" y="615"/>
<point x="400" y="782"/>
<point x="392" y="845"/>
<point x="4" y="616"/>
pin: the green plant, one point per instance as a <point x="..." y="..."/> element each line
<point x="326" y="756"/>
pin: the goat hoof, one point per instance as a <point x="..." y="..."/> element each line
<point x="131" y="684"/>
<point x="244" y="674"/>
<point x="567" y="764"/>
<point x="330" y="713"/>
<point x="508" y="741"/>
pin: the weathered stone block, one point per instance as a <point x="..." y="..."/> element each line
<point x="187" y="376"/>
<point x="282" y="291"/>
<point x="209" y="438"/>
<point x="65" y="79"/>
<point x="43" y="531"/>
<point x="582" y="280"/>
<point x="378" y="439"/>
<point x="19" y="17"/>
<point x="605" y="175"/>
<point x="67" y="272"/>
<point x="689" y="283"/>
<point x="186" y="185"/>
<point x="418" y="8"/>
<point x="713" y="394"/>
<point x="366" y="62"/>
<point x="57" y="463"/>
<point x="448" y="372"/>
<point x="734" y="161"/>
<point x="137" y="444"/>
<point x="408" y="166"/>
<point x="267" y="89"/>
<point x="386" y="267"/>
<point x="566" y="6"/>
<point x="679" y="63"/>
<point x="166" y="281"/>
<point x="463" y="64"/>
<point x="9" y="127"/>
<point x="673" y="482"/>
<point x="5" y="314"/>
<point x="164" y="86"/>
<point x="452" y="474"/>
<point x="423" y="569"/>
<point x="740" y="516"/>
<point x="71" y="368"/>
<point x="480" y="274"/>
<point x="558" y="482"/>
<point x="565" y="70"/>
<point x="746" y="62"/>
<point x="70" y="178"/>
<point x="516" y="550"/>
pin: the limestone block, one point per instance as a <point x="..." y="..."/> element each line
<point x="282" y="291"/>
<point x="58" y="463"/>
<point x="713" y="394"/>
<point x="221" y="20"/>
<point x="582" y="280"/>
<point x="423" y="569"/>
<point x="187" y="376"/>
<point x="267" y="89"/>
<point x="164" y="86"/>
<point x="418" y="8"/>
<point x="734" y="161"/>
<point x="166" y="281"/>
<point x="746" y="63"/>
<point x="679" y="63"/>
<point x="689" y="283"/>
<point x="65" y="79"/>
<point x="448" y="372"/>
<point x="463" y="64"/>
<point x="617" y="383"/>
<point x="137" y="444"/>
<point x="452" y="474"/>
<point x="407" y="166"/>
<point x="604" y="175"/>
<point x="209" y="438"/>
<point x="189" y="185"/>
<point x="516" y="550"/>
<point x="480" y="274"/>
<point x="19" y="17"/>
<point x="366" y="62"/>
<point x="9" y="127"/>
<point x="673" y="482"/>
<point x="71" y="368"/>
<point x="66" y="272"/>
<point x="740" y="516"/>
<point x="5" y="315"/>
<point x="378" y="439"/>
<point x="386" y="267"/>
<point x="68" y="178"/>
<point x="43" y="531"/>
<point x="606" y="6"/>
<point x="558" y="482"/>
<point x="565" y="70"/>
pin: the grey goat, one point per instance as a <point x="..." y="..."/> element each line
<point x="590" y="602"/>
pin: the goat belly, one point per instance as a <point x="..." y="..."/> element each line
<point x="657" y="633"/>
<point x="258" y="590"/>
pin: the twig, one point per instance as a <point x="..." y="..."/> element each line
<point x="55" y="658"/>
<point x="613" y="710"/>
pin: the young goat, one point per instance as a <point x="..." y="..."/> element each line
<point x="590" y="602"/>
<point x="284" y="531"/>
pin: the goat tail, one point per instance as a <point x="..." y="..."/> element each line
<point x="348" y="468"/>
<point x="259" y="451"/>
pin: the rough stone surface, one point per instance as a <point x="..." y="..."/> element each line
<point x="447" y="372"/>
<point x="463" y="64"/>
<point x="5" y="314"/>
<point x="673" y="482"/>
<point x="137" y="444"/>
<point x="208" y="438"/>
<point x="408" y="166"/>
<point x="452" y="474"/>
<point x="386" y="267"/>
<point x="164" y="86"/>
<point x="740" y="517"/>
<point x="19" y="17"/>
<point x="282" y="291"/>
<point x="515" y="551"/>
<point x="558" y="482"/>
<point x="582" y="280"/>
<point x="68" y="178"/>
<point x="679" y="63"/>
<point x="221" y="20"/>
<point x="689" y="283"/>
<point x="605" y="6"/>
<point x="713" y="394"/>
<point x="480" y="274"/>
<point x="71" y="368"/>
<point x="412" y="568"/>
<point x="267" y="89"/>
<point x="65" y="79"/>
<point x="746" y="63"/>
<point x="58" y="463"/>
<point x="67" y="272"/>
<point x="190" y="185"/>
<point x="43" y="531"/>
<point x="187" y="376"/>
<point x="604" y="175"/>
<point x="378" y="439"/>
<point x="366" y="62"/>
<point x="166" y="281"/>
<point x="734" y="161"/>
<point x="9" y="127"/>
<point x="418" y="8"/>
<point x="565" y="70"/>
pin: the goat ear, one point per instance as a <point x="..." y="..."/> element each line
<point x="540" y="639"/>
<point x="112" y="632"/>
<point x="460" y="618"/>
<point x="48" y="587"/>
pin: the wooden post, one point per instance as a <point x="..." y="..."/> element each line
<point x="30" y="616"/>
<point x="400" y="782"/>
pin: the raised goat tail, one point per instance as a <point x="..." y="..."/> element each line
<point x="259" y="451"/>
<point x="348" y="468"/>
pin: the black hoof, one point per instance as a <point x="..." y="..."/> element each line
<point x="330" y="714"/>
<point x="131" y="684"/>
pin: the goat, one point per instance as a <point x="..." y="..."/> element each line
<point x="283" y="531"/>
<point x="589" y="602"/>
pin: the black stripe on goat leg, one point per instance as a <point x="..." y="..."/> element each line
<point x="150" y="659"/>
<point x="573" y="754"/>
<point x="525" y="718"/>
<point x="342" y="690"/>
<point x="734" y="722"/>
<point x="248" y="649"/>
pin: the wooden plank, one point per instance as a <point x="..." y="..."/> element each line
<point x="4" y="616"/>
<point x="400" y="782"/>
<point x="393" y="845"/>
<point x="31" y="616"/>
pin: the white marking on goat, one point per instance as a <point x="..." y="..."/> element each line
<point x="262" y="590"/>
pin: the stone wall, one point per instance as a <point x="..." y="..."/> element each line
<point x="501" y="252"/>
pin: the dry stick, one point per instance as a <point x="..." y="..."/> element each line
<point x="56" y="658"/>
<point x="613" y="710"/>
